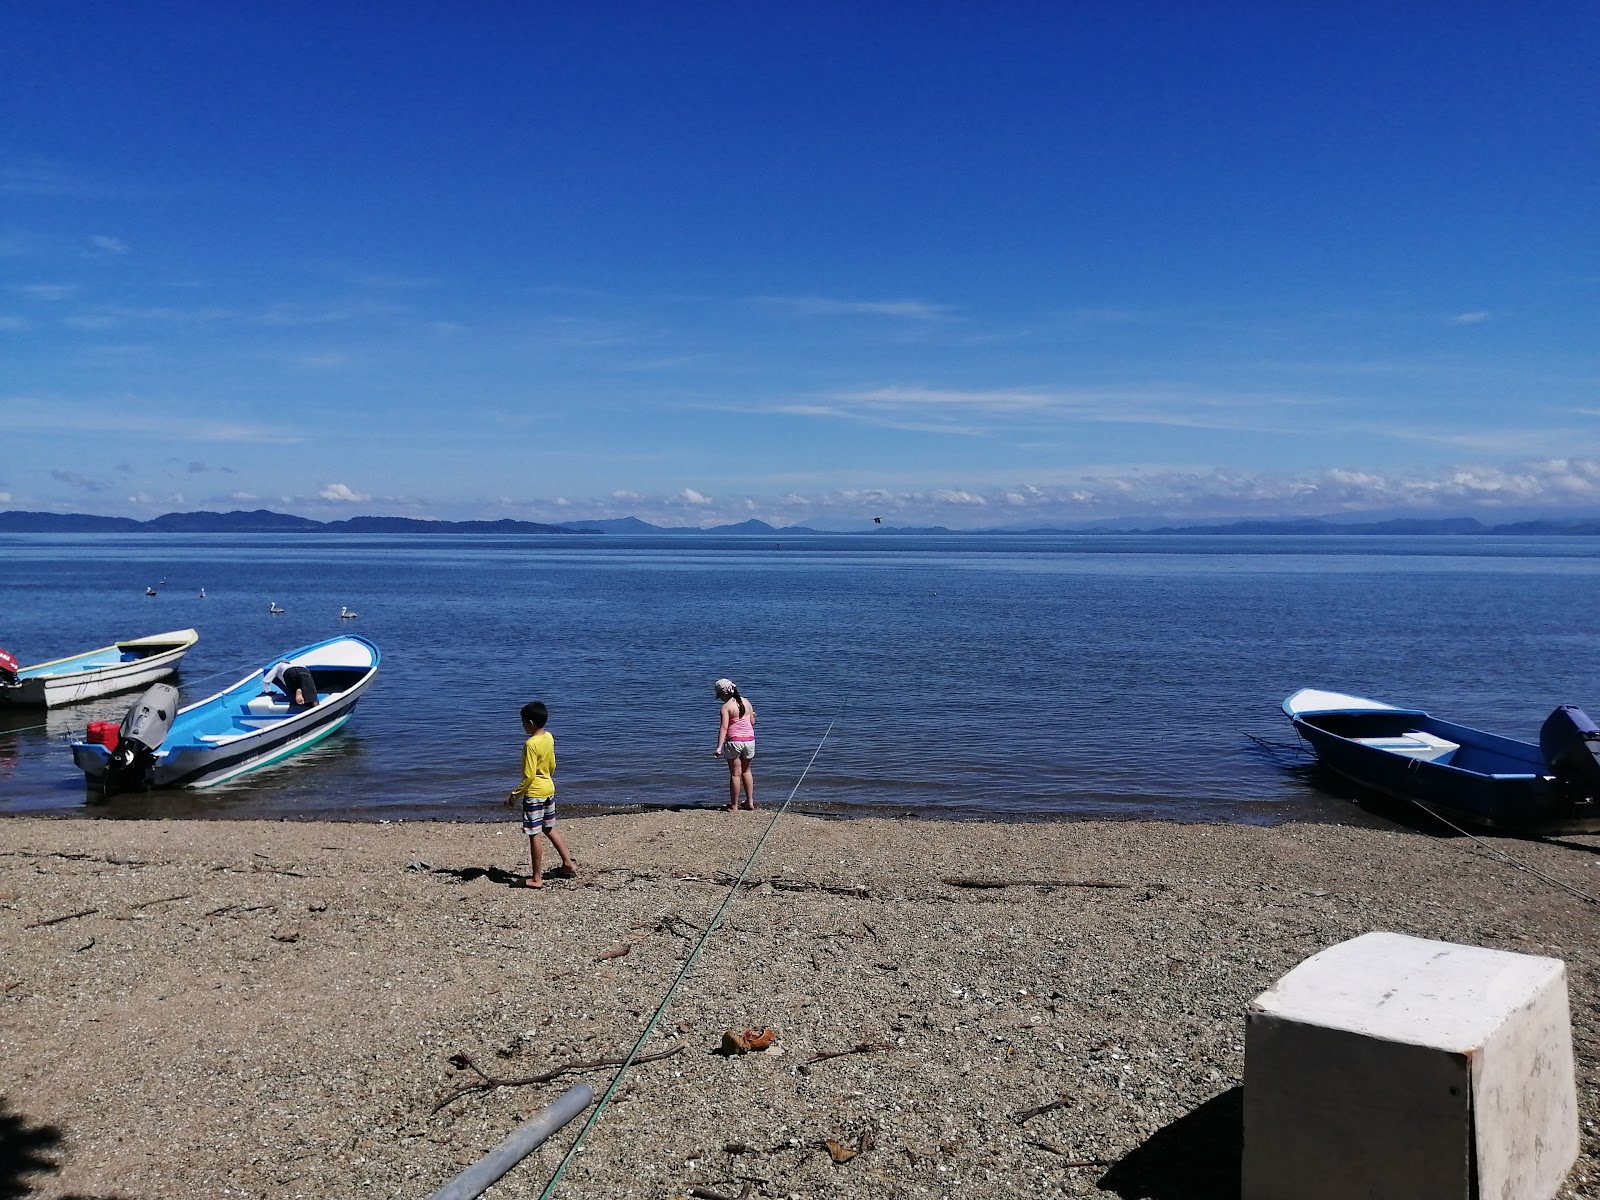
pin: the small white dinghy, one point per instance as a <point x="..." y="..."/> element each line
<point x="116" y="668"/>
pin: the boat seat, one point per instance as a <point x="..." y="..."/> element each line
<point x="220" y="739"/>
<point x="265" y="706"/>
<point x="1414" y="743"/>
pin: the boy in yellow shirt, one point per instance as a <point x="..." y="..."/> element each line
<point x="538" y="793"/>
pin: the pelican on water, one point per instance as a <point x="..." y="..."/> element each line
<point x="272" y="607"/>
<point x="345" y="613"/>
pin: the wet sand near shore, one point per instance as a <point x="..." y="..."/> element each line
<point x="313" y="1009"/>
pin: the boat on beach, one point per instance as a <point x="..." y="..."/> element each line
<point x="242" y="728"/>
<point x="1456" y="771"/>
<point x="119" y="667"/>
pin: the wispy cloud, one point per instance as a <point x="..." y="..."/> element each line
<point x="27" y="414"/>
<point x="1471" y="318"/>
<point x="824" y="306"/>
<point x="46" y="292"/>
<point x="81" y="482"/>
<point x="104" y="245"/>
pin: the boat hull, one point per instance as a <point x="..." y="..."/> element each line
<point x="102" y="672"/>
<point x="1467" y="775"/>
<point x="263" y="738"/>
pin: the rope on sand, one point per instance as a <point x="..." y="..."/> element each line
<point x="688" y="965"/>
<point x="1508" y="858"/>
<point x="1495" y="851"/>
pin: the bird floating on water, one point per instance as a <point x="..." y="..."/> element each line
<point x="272" y="607"/>
<point x="345" y="613"/>
<point x="202" y="593"/>
<point x="149" y="591"/>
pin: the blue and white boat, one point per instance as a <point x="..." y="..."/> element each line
<point x="1459" y="772"/>
<point x="119" y="667"/>
<point x="243" y="728"/>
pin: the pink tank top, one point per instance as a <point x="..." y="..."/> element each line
<point x="742" y="729"/>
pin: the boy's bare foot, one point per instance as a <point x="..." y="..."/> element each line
<point x="533" y="883"/>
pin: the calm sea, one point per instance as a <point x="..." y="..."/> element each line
<point x="1015" y="676"/>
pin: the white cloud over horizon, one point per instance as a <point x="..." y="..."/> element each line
<point x="340" y="493"/>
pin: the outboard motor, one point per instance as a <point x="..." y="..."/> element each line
<point x="139" y="737"/>
<point x="9" y="668"/>
<point x="1570" y="742"/>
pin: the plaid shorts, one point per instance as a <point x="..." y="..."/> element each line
<point x="538" y="813"/>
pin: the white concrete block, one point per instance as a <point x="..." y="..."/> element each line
<point x="1395" y="1068"/>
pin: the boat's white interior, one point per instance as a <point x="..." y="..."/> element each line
<point x="259" y="713"/>
<point x="1414" y="743"/>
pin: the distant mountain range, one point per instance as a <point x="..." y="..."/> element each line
<point x="264" y="521"/>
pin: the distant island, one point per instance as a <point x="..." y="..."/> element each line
<point x="264" y="521"/>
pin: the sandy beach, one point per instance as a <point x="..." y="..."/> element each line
<point x="317" y="1009"/>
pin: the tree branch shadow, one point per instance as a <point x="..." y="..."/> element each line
<point x="1197" y="1157"/>
<point x="26" y="1150"/>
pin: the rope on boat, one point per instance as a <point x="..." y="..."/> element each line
<point x="688" y="965"/>
<point x="1273" y="747"/>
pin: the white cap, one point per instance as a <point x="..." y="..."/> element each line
<point x="725" y="687"/>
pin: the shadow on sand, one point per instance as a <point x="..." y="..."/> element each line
<point x="1194" y="1158"/>
<point x="25" y="1150"/>
<point x="497" y="875"/>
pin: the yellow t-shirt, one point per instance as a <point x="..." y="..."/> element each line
<point x="538" y="767"/>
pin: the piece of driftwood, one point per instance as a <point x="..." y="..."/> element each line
<point x="1028" y="1114"/>
<point x="962" y="881"/>
<point x="237" y="909"/>
<point x="858" y="1048"/>
<point x="855" y="891"/>
<point x="1076" y="1162"/>
<point x="487" y="1082"/>
<point x="163" y="900"/>
<point x="616" y="951"/>
<point x="705" y="1193"/>
<point x="72" y="916"/>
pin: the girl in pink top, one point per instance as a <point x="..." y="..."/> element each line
<point x="736" y="742"/>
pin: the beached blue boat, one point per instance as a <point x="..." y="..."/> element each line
<point x="243" y="728"/>
<point x="119" y="667"/>
<point x="1462" y="773"/>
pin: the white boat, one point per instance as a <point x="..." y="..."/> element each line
<point x="242" y="728"/>
<point x="116" y="668"/>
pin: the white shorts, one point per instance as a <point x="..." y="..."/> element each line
<point x="733" y="750"/>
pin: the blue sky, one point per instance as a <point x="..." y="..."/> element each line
<point x="976" y="265"/>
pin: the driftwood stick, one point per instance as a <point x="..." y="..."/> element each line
<point x="796" y="885"/>
<point x="705" y="1193"/>
<point x="1028" y="1114"/>
<point x="163" y="900"/>
<point x="616" y="951"/>
<point x="490" y="1082"/>
<point x="1077" y="1162"/>
<point x="858" y="1048"/>
<point x="73" y="916"/>
<point x="961" y="881"/>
